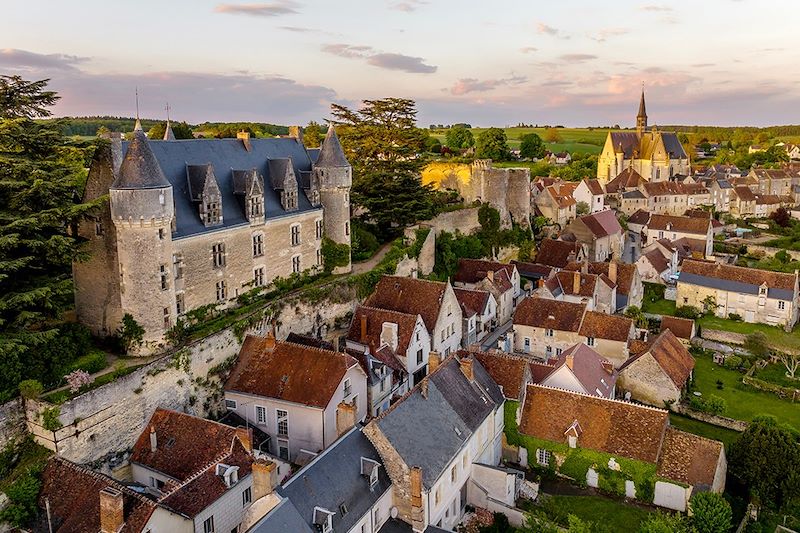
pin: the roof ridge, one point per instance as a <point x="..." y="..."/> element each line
<point x="694" y="435"/>
<point x="193" y="417"/>
<point x="638" y="405"/>
<point x="390" y="311"/>
<point x="103" y="477"/>
<point x="218" y="459"/>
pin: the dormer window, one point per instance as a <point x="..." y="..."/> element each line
<point x="323" y="520"/>
<point x="254" y="207"/>
<point x="369" y="469"/>
<point x="204" y="191"/>
<point x="230" y="474"/>
<point x="211" y="210"/>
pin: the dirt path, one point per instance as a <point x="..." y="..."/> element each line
<point x="372" y="262"/>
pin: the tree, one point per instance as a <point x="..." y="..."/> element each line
<point x="711" y="513"/>
<point x="41" y="174"/>
<point x="181" y="130"/>
<point x="130" y="333"/>
<point x="531" y="146"/>
<point x="791" y="362"/>
<point x="781" y="217"/>
<point x="492" y="144"/>
<point x="756" y="344"/>
<point x="459" y="137"/>
<point x="312" y="135"/>
<point x="552" y="135"/>
<point x="582" y="208"/>
<point x="489" y="219"/>
<point x="766" y="458"/>
<point x="385" y="147"/>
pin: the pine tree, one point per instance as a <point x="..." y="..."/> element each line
<point x="40" y="175"/>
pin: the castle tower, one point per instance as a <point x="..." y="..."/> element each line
<point x="333" y="177"/>
<point x="641" y="118"/>
<point x="142" y="211"/>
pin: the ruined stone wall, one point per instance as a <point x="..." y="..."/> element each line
<point x="463" y="220"/>
<point x="518" y="195"/>
<point x="12" y="421"/>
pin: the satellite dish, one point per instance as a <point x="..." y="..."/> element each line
<point x="393" y="512"/>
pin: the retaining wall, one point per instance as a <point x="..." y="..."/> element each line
<point x="722" y="421"/>
<point x="12" y="421"/>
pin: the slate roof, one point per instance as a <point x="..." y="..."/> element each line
<point x="506" y="370"/>
<point x="533" y="270"/>
<point x="680" y="327"/>
<point x="73" y="493"/>
<point x="472" y="302"/>
<point x="549" y="314"/>
<point x="694" y="225"/>
<point x="331" y="154"/>
<point x="689" y="459"/>
<point x="375" y="319"/>
<point x="603" y="326"/>
<point x="429" y="430"/>
<point x="670" y="354"/>
<point x="639" y="217"/>
<point x="555" y="253"/>
<point x="334" y="478"/>
<point x="626" y="142"/>
<point x="611" y="426"/>
<point x="737" y="279"/>
<point x="602" y="223"/>
<point x="411" y="296"/>
<point x="140" y="168"/>
<point x="170" y="159"/>
<point x="288" y="371"/>
<point x="284" y="517"/>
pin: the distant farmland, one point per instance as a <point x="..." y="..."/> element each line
<point x="574" y="140"/>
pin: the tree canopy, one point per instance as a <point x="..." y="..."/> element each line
<point x="531" y="146"/>
<point x="492" y="144"/>
<point x="181" y="130"/>
<point x="459" y="137"/>
<point x="312" y="135"/>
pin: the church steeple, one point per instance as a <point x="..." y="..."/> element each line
<point x="641" y="118"/>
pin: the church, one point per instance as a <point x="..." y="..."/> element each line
<point x="655" y="155"/>
<point x="199" y="222"/>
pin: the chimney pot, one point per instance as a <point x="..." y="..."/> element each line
<point x="540" y="283"/>
<point x="363" y="329"/>
<point x="466" y="367"/>
<point x="434" y="359"/>
<point x="153" y="439"/>
<point x="112" y="514"/>
<point x="262" y="478"/>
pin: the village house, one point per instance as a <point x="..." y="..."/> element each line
<point x="720" y="192"/>
<point x="683" y="328"/>
<point x="608" y="335"/>
<point x="628" y="285"/>
<point x="766" y="204"/>
<point x="556" y="203"/>
<point x="685" y="463"/>
<point x="654" y="267"/>
<point x="393" y="347"/>
<point x="531" y="273"/>
<point x="625" y="192"/>
<point x="772" y="181"/>
<point x="500" y="279"/>
<point x="432" y="440"/>
<point x="590" y="192"/>
<point x="596" y="291"/>
<point x="434" y="301"/>
<point x="558" y="158"/>
<point x="658" y="372"/>
<point x="755" y="295"/>
<point x="665" y="197"/>
<point x="601" y="233"/>
<point x="743" y="202"/>
<point x="579" y="369"/>
<point x="510" y="372"/>
<point x="303" y="397"/>
<point x="479" y="312"/>
<point x="558" y="253"/>
<point x="793" y="151"/>
<point x="680" y="227"/>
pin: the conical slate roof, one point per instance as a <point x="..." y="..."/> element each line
<point x="642" y="111"/>
<point x="331" y="155"/>
<point x="168" y="133"/>
<point x="140" y="169"/>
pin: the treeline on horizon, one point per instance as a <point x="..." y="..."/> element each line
<point x="89" y="126"/>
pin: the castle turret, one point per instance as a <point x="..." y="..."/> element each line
<point x="333" y="177"/>
<point x="641" y="118"/>
<point x="142" y="211"/>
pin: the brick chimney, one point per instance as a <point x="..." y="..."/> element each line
<point x="389" y="334"/>
<point x="269" y="341"/>
<point x="245" y="436"/>
<point x="576" y="282"/>
<point x="466" y="367"/>
<point x="612" y="271"/>
<point x="570" y="361"/>
<point x="363" y="329"/>
<point x="434" y="359"/>
<point x="296" y="132"/>
<point x="112" y="514"/>
<point x="417" y="512"/>
<point x="608" y="366"/>
<point x="540" y="283"/>
<point x="262" y="478"/>
<point x="244" y="136"/>
<point x="345" y="417"/>
<point x="153" y="439"/>
<point x="423" y="388"/>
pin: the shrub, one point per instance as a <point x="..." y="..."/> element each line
<point x="364" y="242"/>
<point x="50" y="419"/>
<point x="711" y="513"/>
<point x="30" y="389"/>
<point x="22" y="497"/>
<point x="78" y="379"/>
<point x="92" y="362"/>
<point x="713" y="404"/>
<point x="687" y="311"/>
<point x="732" y="362"/>
<point x="735" y="317"/>
<point x="334" y="254"/>
<point x="661" y="522"/>
<point x="756" y="344"/>
<point x="130" y="333"/>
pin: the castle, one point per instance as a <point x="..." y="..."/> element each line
<point x="655" y="155"/>
<point x="195" y="222"/>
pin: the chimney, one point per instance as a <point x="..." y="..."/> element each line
<point x="490" y="275"/>
<point x="570" y="361"/>
<point x="269" y="341"/>
<point x="112" y="514"/>
<point x="466" y="367"/>
<point x="608" y="366"/>
<point x="345" y="417"/>
<point x="540" y="283"/>
<point x="612" y="272"/>
<point x="262" y="478"/>
<point x="245" y="436"/>
<point x="389" y="334"/>
<point x="423" y="387"/>
<point x="296" y="132"/>
<point x="153" y="439"/>
<point x="417" y="512"/>
<point x="585" y="267"/>
<point x="576" y="282"/>
<point x="244" y="136"/>
<point x="434" y="359"/>
<point x="363" y="329"/>
<point x="571" y="256"/>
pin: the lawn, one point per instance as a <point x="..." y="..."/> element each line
<point x="704" y="429"/>
<point x="775" y="335"/>
<point x="743" y="402"/>
<point x="573" y="140"/>
<point x="659" y="307"/>
<point x="613" y="515"/>
<point x="777" y="374"/>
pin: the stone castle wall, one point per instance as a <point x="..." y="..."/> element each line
<point x="12" y="421"/>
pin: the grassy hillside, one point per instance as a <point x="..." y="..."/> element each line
<point x="574" y="140"/>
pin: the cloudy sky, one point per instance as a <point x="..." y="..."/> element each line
<point x="572" y="62"/>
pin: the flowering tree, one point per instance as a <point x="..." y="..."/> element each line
<point x="78" y="379"/>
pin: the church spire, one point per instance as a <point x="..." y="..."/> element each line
<point x="641" y="118"/>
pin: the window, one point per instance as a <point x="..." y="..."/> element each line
<point x="589" y="341"/>
<point x="156" y="483"/>
<point x="781" y="305"/>
<point x="319" y="229"/>
<point x="283" y="422"/>
<point x="167" y="318"/>
<point x="296" y="264"/>
<point x="419" y="356"/>
<point x="98" y="227"/>
<point x="247" y="496"/>
<point x="162" y="271"/>
<point x="548" y="350"/>
<point x="261" y="415"/>
<point x="258" y="277"/>
<point x="295" y="233"/>
<point x="222" y="291"/>
<point x="218" y="252"/>
<point x="548" y="333"/>
<point x="230" y="404"/>
<point x="454" y="474"/>
<point x="527" y="343"/>
<point x="258" y="245"/>
<point x="208" y="525"/>
<point x="319" y="257"/>
<point x="543" y="456"/>
<point x="177" y="266"/>
<point x="558" y="351"/>
<point x="377" y="518"/>
<point x="212" y="213"/>
<point x="161" y="233"/>
<point x="465" y="460"/>
<point x="347" y="228"/>
<point x="283" y="449"/>
<point x="180" y="305"/>
<point x="437" y="497"/>
<point x="347" y="388"/>
<point x="255" y="206"/>
<point x="383" y="384"/>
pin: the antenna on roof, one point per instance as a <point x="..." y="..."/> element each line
<point x="138" y="125"/>
<point x="167" y="108"/>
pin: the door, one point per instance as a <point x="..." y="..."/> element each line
<point x="749" y="316"/>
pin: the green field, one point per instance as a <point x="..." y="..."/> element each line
<point x="775" y="336"/>
<point x="776" y="374"/>
<point x="704" y="429"/>
<point x="573" y="140"/>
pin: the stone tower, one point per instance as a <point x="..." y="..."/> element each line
<point x="142" y="211"/>
<point x="333" y="177"/>
<point x="641" y="118"/>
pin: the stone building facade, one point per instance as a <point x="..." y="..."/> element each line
<point x="197" y="222"/>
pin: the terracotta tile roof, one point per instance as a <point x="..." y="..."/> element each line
<point x="602" y="223"/>
<point x="773" y="174"/>
<point x="539" y="371"/>
<point x="375" y="319"/>
<point x="588" y="282"/>
<point x="549" y="314"/>
<point x="411" y="296"/>
<point x="767" y="199"/>
<point x="686" y="246"/>
<point x="556" y="253"/>
<point x="475" y="270"/>
<point x="506" y="370"/>
<point x="663" y="188"/>
<point x="636" y="347"/>
<point x="639" y="217"/>
<point x="671" y="355"/>
<point x="689" y="458"/>
<point x="680" y="327"/>
<point x="502" y="281"/>
<point x="592" y="370"/>
<point x="595" y="187"/>
<point x="627" y="179"/>
<point x="308" y="340"/>
<point x="657" y="259"/>
<point x="472" y="302"/>
<point x="73" y="493"/>
<point x="698" y="226"/>
<point x="744" y="193"/>
<point x="611" y="426"/>
<point x="287" y="371"/>
<point x="603" y="326"/>
<point x="625" y="273"/>
<point x="185" y="444"/>
<point x="750" y="276"/>
<point x="563" y="197"/>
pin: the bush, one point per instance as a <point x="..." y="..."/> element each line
<point x="22" y="497"/>
<point x="364" y="243"/>
<point x="732" y="362"/>
<point x="735" y="317"/>
<point x="50" y="419"/>
<point x="130" y="333"/>
<point x="334" y="254"/>
<point x="756" y="344"/>
<point x="30" y="389"/>
<point x="661" y="522"/>
<point x="713" y="404"/>
<point x="711" y="513"/>
<point x="687" y="311"/>
<point x="92" y="362"/>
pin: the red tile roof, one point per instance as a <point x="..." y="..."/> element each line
<point x="625" y="273"/>
<point x="472" y="302"/>
<point x="603" y="223"/>
<point x="566" y="279"/>
<point x="657" y="260"/>
<point x="411" y="296"/>
<point x="287" y="371"/>
<point x="680" y="327"/>
<point x="375" y="319"/>
<point x="539" y="371"/>
<point x="744" y="193"/>
<point x="611" y="426"/>
<point x="671" y="355"/>
<point x="603" y="326"/>
<point x="506" y="370"/>
<point x="556" y="253"/>
<point x="694" y="225"/>
<point x="549" y="314"/>
<point x="689" y="458"/>
<point x="627" y="179"/>
<point x="474" y="270"/>
<point x="592" y="370"/>
<point x="595" y="187"/>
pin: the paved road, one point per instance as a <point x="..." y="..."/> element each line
<point x="490" y="341"/>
